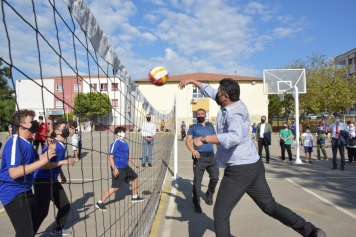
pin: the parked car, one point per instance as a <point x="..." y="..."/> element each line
<point x="310" y="116"/>
<point x="324" y="115"/>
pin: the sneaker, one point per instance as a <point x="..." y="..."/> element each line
<point x="61" y="232"/>
<point x="149" y="165"/>
<point x="284" y="161"/>
<point x="310" y="162"/>
<point x="325" y="159"/>
<point x="101" y="206"/>
<point x="334" y="168"/>
<point x="138" y="199"/>
<point x="198" y="209"/>
<point x="267" y="162"/>
<point x="143" y="165"/>
<point x="319" y="233"/>
<point x="342" y="168"/>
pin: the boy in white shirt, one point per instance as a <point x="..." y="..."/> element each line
<point x="307" y="139"/>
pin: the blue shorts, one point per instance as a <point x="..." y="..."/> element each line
<point x="308" y="149"/>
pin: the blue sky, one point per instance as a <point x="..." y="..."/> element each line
<point x="187" y="36"/>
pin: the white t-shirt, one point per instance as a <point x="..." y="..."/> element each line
<point x="308" y="139"/>
<point x="76" y="137"/>
<point x="262" y="129"/>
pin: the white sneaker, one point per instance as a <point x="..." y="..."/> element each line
<point x="61" y="232"/>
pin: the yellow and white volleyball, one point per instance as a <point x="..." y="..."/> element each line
<point x="158" y="76"/>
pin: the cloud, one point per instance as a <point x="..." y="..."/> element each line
<point x="254" y="8"/>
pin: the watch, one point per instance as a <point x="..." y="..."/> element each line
<point x="203" y="139"/>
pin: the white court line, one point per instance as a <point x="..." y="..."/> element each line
<point x="170" y="211"/>
<point x="2" y="210"/>
<point x="323" y="199"/>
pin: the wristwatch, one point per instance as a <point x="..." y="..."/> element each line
<point x="203" y="139"/>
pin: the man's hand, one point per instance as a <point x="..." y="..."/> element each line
<point x="137" y="166"/>
<point x="197" y="142"/>
<point x="64" y="180"/>
<point x="115" y="172"/>
<point x="183" y="83"/>
<point x="195" y="154"/>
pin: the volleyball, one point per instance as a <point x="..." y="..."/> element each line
<point x="158" y="76"/>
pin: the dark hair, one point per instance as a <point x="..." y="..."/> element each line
<point x="19" y="116"/>
<point x="57" y="124"/>
<point x="230" y="87"/>
<point x="201" y="110"/>
<point x="307" y="127"/>
<point x="75" y="124"/>
<point x="348" y="122"/>
<point x="40" y="117"/>
<point x="119" y="129"/>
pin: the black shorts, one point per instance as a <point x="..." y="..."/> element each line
<point x="125" y="176"/>
<point x="38" y="142"/>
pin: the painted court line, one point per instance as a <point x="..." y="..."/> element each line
<point x="323" y="199"/>
<point x="170" y="211"/>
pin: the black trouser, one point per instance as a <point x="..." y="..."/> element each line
<point x="22" y="214"/>
<point x="334" y="148"/>
<point x="184" y="134"/>
<point x="206" y="162"/>
<point x="44" y="194"/>
<point x="79" y="148"/>
<point x="250" y="179"/>
<point x="283" y="150"/>
<point x="351" y="153"/>
<point x="260" y="146"/>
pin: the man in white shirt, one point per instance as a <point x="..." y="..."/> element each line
<point x="148" y="132"/>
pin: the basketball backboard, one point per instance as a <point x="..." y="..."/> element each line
<point x="277" y="81"/>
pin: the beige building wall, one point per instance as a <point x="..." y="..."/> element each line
<point x="162" y="98"/>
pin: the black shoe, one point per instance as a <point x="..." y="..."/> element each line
<point x="350" y="161"/>
<point x="334" y="168"/>
<point x="209" y="198"/>
<point x="318" y="233"/>
<point x="101" y="206"/>
<point x="143" y="165"/>
<point x="342" y="168"/>
<point x="267" y="162"/>
<point x="137" y="199"/>
<point x="149" y="165"/>
<point x="198" y="209"/>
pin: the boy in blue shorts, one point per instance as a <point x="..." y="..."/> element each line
<point x="19" y="161"/>
<point x="119" y="157"/>
<point x="307" y="139"/>
<point x="47" y="187"/>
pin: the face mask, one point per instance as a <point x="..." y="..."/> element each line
<point x="120" y="135"/>
<point x="65" y="132"/>
<point x="200" y="119"/>
<point x="262" y="120"/>
<point x="307" y="131"/>
<point x="217" y="100"/>
<point x="34" y="126"/>
<point x="337" y="120"/>
<point x="148" y="119"/>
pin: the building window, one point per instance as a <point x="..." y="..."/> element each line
<point x="93" y="87"/>
<point x="351" y="61"/>
<point x="114" y="87"/>
<point x="59" y="88"/>
<point x="59" y="104"/>
<point x="104" y="120"/>
<point x="115" y="103"/>
<point x="196" y="93"/>
<point x="114" y="120"/>
<point x="77" y="88"/>
<point x="104" y="87"/>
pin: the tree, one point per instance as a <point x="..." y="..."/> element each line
<point x="7" y="102"/>
<point x="327" y="87"/>
<point x="91" y="105"/>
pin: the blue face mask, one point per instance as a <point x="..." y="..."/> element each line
<point x="337" y="120"/>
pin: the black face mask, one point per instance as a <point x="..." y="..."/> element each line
<point x="34" y="126"/>
<point x="263" y="121"/>
<point x="200" y="119"/>
<point x="65" y="132"/>
<point x="148" y="119"/>
<point x="217" y="100"/>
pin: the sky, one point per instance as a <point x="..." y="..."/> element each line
<point x="185" y="36"/>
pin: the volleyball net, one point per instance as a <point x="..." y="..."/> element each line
<point x="66" y="69"/>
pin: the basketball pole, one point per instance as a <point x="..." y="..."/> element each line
<point x="297" y="145"/>
<point x="175" y="170"/>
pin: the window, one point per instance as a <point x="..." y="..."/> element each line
<point x="59" y="88"/>
<point x="114" y="87"/>
<point x="114" y="120"/>
<point x="115" y="103"/>
<point x="77" y="88"/>
<point x="196" y="93"/>
<point x="93" y="87"/>
<point x="351" y="61"/>
<point x="59" y="104"/>
<point x="104" y="120"/>
<point x="104" y="87"/>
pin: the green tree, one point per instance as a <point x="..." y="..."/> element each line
<point x="68" y="116"/>
<point x="91" y="105"/>
<point x="7" y="102"/>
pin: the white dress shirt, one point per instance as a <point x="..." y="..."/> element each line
<point x="148" y="129"/>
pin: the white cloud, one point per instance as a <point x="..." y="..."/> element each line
<point x="253" y="8"/>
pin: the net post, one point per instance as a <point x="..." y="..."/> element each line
<point x="297" y="154"/>
<point x="175" y="171"/>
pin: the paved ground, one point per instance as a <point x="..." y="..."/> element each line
<point x="325" y="197"/>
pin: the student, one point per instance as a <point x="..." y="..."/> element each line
<point x="320" y="143"/>
<point x="41" y="134"/>
<point x="76" y="134"/>
<point x="119" y="157"/>
<point x="307" y="139"/>
<point x="47" y="187"/>
<point x="254" y="127"/>
<point x="19" y="160"/>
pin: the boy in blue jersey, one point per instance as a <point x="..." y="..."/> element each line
<point x="19" y="161"/>
<point x="119" y="157"/>
<point x="46" y="186"/>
